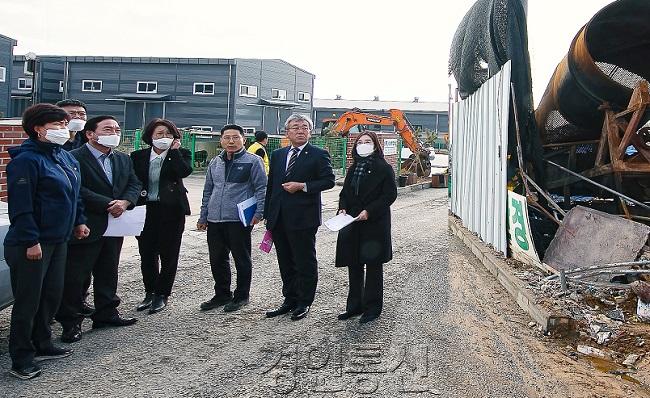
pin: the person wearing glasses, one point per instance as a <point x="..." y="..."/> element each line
<point x="232" y="177"/>
<point x="108" y="188"/>
<point x="365" y="245"/>
<point x="298" y="174"/>
<point x="161" y="169"/>
<point x="77" y="111"/>
<point x="78" y="116"/>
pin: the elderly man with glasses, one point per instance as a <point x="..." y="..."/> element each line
<point x="297" y="176"/>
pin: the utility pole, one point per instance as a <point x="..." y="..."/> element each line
<point x="30" y="70"/>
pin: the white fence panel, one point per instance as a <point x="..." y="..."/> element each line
<point x="479" y="144"/>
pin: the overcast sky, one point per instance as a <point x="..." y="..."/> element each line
<point x="396" y="50"/>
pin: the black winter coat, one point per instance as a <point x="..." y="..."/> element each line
<point x="171" y="191"/>
<point x="367" y="242"/>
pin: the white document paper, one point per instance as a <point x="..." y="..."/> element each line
<point x="130" y="223"/>
<point x="339" y="222"/>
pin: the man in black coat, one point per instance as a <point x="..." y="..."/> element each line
<point x="297" y="176"/>
<point x="108" y="186"/>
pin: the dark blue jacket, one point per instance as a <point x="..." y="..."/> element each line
<point x="43" y="184"/>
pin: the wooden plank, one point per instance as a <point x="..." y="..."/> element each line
<point x="569" y="144"/>
<point x="602" y="143"/>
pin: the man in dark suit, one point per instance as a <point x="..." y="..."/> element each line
<point x="78" y="115"/>
<point x="297" y="176"/>
<point x="108" y="186"/>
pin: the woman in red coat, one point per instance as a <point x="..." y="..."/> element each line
<point x="365" y="245"/>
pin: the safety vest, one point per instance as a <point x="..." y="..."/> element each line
<point x="254" y="148"/>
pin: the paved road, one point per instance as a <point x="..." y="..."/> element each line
<point x="436" y="336"/>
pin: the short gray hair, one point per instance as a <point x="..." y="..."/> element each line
<point x="297" y="117"/>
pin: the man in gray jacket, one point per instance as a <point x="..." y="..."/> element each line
<point x="232" y="177"/>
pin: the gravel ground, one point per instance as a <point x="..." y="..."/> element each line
<point x="447" y="329"/>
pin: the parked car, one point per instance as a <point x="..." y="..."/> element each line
<point x="6" y="296"/>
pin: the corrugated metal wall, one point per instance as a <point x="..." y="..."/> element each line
<point x="479" y="142"/>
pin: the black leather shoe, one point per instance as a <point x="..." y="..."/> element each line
<point x="365" y="318"/>
<point x="25" y="372"/>
<point x="215" y="302"/>
<point x="158" y="303"/>
<point x="86" y="310"/>
<point x="235" y="305"/>
<point x="71" y="334"/>
<point x="347" y="315"/>
<point x="51" y="353"/>
<point x="300" y="312"/>
<point x="146" y="302"/>
<point x="285" y="308"/>
<point x="115" y="321"/>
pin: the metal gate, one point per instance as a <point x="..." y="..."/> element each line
<point x="479" y="143"/>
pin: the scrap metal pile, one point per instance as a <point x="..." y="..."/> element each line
<point x="587" y="144"/>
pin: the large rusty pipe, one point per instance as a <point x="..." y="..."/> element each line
<point x="618" y="35"/>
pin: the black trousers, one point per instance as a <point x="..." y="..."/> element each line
<point x="296" y="250"/>
<point x="225" y="238"/>
<point x="366" y="297"/>
<point x="101" y="258"/>
<point x="160" y="240"/>
<point x="37" y="287"/>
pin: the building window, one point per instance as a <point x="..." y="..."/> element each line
<point x="3" y="74"/>
<point x="60" y="86"/>
<point x="247" y="91"/>
<point x="304" y="97"/>
<point x="25" y="83"/>
<point x="204" y="88"/>
<point x="278" y="94"/>
<point x="249" y="130"/>
<point x="93" y="86"/>
<point x="147" y="88"/>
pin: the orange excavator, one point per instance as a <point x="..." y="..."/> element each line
<point x="419" y="162"/>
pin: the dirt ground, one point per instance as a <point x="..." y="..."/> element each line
<point x="448" y="329"/>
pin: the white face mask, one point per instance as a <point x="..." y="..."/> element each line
<point x="365" y="149"/>
<point x="76" y="124"/>
<point x="163" y="143"/>
<point x="110" y="141"/>
<point x="59" y="136"/>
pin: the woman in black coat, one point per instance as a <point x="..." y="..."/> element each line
<point x="161" y="169"/>
<point x="368" y="191"/>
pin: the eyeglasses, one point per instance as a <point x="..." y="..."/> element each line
<point x="298" y="129"/>
<point x="231" y="137"/>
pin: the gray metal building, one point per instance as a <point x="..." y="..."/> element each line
<point x="258" y="94"/>
<point x="424" y="116"/>
<point x="7" y="45"/>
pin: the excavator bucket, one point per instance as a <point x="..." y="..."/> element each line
<point x="419" y="164"/>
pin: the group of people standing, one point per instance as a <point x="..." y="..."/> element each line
<point x="67" y="179"/>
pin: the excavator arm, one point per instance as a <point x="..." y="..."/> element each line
<point x="419" y="161"/>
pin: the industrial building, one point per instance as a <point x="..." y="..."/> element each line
<point x="204" y="93"/>
<point x="7" y="45"/>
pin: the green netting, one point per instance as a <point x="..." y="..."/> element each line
<point x="204" y="147"/>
